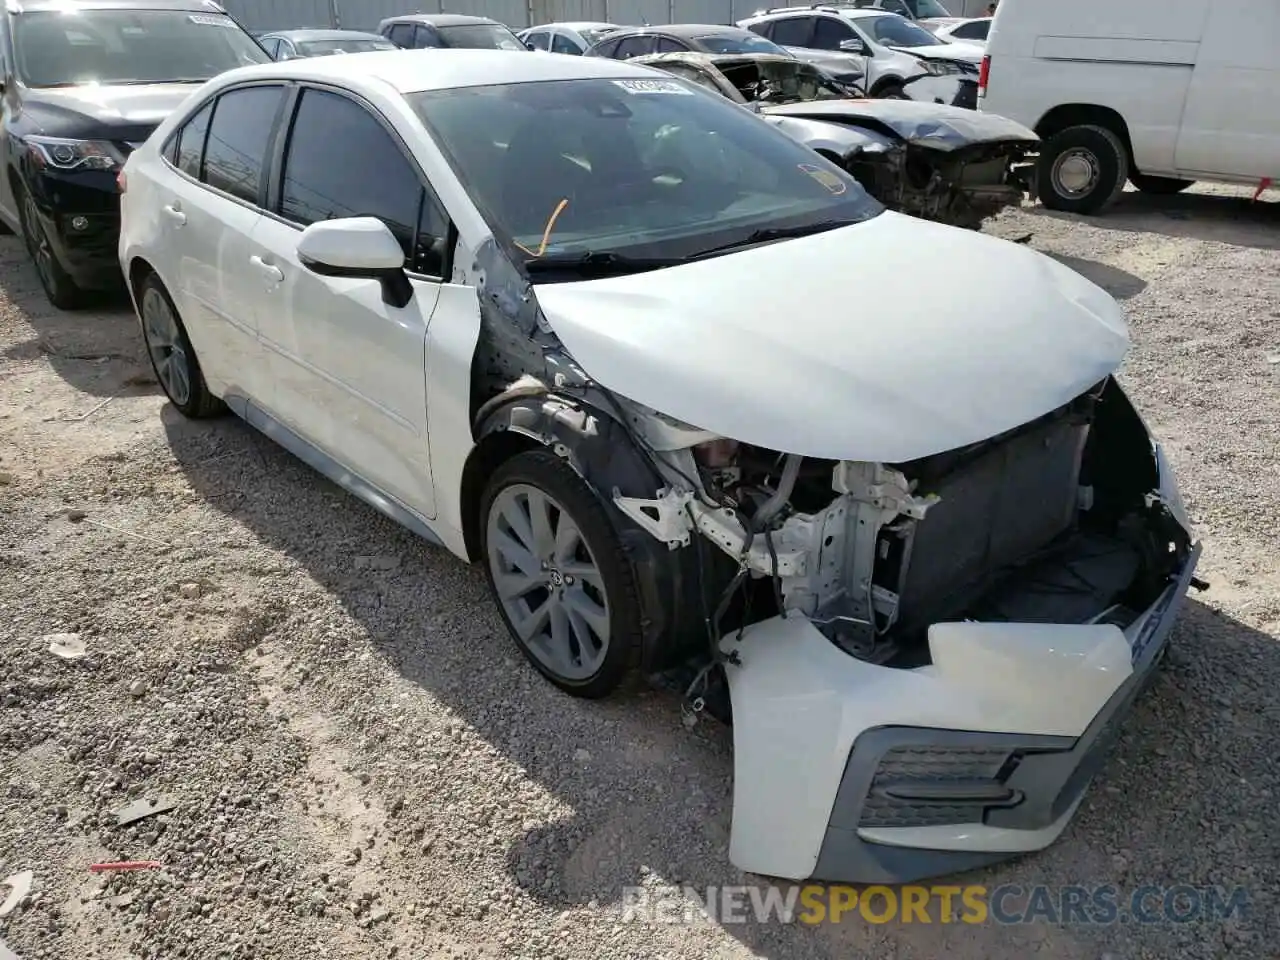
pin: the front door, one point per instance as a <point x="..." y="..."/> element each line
<point x="349" y="370"/>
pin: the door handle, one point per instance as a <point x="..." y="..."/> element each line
<point x="267" y="269"/>
<point x="174" y="214"/>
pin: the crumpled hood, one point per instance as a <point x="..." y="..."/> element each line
<point x="144" y="104"/>
<point x="928" y="124"/>
<point x="837" y="346"/>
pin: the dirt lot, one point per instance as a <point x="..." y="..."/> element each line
<point x="361" y="767"/>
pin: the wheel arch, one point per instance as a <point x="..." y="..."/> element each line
<point x="1067" y="115"/>
<point x="889" y="81"/>
<point x="590" y="437"/>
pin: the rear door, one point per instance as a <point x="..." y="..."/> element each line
<point x="348" y="370"/>
<point x="1231" y="122"/>
<point x="208" y="211"/>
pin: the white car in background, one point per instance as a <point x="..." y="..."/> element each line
<point x="889" y="49"/>
<point x="974" y="30"/>
<point x="934" y="583"/>
<point x="572" y="38"/>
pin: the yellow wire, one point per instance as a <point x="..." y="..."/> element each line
<point x="546" y="234"/>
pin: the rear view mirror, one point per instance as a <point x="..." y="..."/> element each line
<point x="853" y="46"/>
<point x="357" y="248"/>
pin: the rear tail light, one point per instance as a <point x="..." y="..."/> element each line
<point x="984" y="74"/>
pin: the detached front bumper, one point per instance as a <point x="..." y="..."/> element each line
<point x="847" y="771"/>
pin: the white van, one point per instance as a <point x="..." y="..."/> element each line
<point x="1161" y="94"/>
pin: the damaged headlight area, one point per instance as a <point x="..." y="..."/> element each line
<point x="1061" y="521"/>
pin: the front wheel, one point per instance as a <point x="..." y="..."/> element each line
<point x="1082" y="169"/>
<point x="62" y="291"/>
<point x="1159" y="186"/>
<point x="559" y="575"/>
<point x="892" y="91"/>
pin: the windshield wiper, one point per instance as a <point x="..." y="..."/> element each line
<point x="599" y="262"/>
<point x="768" y="234"/>
<point x="142" y="83"/>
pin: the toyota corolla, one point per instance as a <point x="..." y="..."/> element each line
<point x="631" y="350"/>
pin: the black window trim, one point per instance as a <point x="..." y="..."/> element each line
<point x="279" y="146"/>
<point x="263" y="173"/>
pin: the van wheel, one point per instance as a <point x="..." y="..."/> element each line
<point x="1082" y="169"/>
<point x="1159" y="186"/>
<point x="559" y="574"/>
<point x="172" y="357"/>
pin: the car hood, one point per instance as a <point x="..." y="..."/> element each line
<point x="958" y="50"/>
<point x="829" y="346"/>
<point x="141" y="105"/>
<point x="933" y="125"/>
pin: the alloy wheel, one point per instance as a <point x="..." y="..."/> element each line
<point x="166" y="345"/>
<point x="547" y="581"/>
<point x="38" y="243"/>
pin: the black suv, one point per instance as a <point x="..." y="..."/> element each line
<point x="84" y="82"/>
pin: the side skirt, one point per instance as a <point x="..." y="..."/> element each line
<point x="320" y="461"/>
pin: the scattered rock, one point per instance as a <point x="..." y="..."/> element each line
<point x="189" y="591"/>
<point x="19" y="886"/>
<point x="68" y="646"/>
<point x="582" y="756"/>
<point x="75" y="516"/>
<point x="138" y="688"/>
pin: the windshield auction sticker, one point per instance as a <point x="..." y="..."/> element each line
<point x="824" y="177"/>
<point x="211" y="21"/>
<point x="653" y="86"/>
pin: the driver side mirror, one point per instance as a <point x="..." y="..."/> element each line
<point x="528" y="45"/>
<point x="853" y="45"/>
<point x="357" y="248"/>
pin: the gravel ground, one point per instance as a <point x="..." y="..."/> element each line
<point x="362" y="768"/>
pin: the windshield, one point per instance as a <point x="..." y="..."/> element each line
<point x="928" y="8"/>
<point x="318" y="48"/>
<point x="480" y="36"/>
<point x="729" y="43"/>
<point x="892" y="30"/>
<point x="57" y="48"/>
<point x="593" y="35"/>
<point x="641" y="168"/>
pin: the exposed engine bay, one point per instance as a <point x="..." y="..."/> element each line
<point x="1056" y="522"/>
<point x="931" y="161"/>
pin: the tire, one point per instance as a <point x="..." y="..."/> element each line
<point x="891" y="91"/>
<point x="1159" y="186"/>
<point x="1094" y="153"/>
<point x="173" y="359"/>
<point x="601" y="580"/>
<point x="62" y="291"/>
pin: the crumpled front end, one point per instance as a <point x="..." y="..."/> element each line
<point x="927" y="661"/>
<point x="925" y="160"/>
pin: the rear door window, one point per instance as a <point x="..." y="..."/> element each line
<point x="235" y="151"/>
<point x="401" y="34"/>
<point x="792" y="31"/>
<point x="634" y="46"/>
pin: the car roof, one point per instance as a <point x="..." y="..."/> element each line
<point x="304" y="35"/>
<point x="438" y="19"/>
<point x="417" y="71"/>
<point x="850" y="13"/>
<point x="690" y="30"/>
<point x="714" y="59"/>
<point x="194" y="6"/>
<point x="574" y="25"/>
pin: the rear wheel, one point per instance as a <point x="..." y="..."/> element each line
<point x="62" y="291"/>
<point x="1082" y="169"/>
<point x="1160" y="186"/>
<point x="558" y="572"/>
<point x="172" y="357"/>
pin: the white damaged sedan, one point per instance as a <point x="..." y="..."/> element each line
<point x="681" y="387"/>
